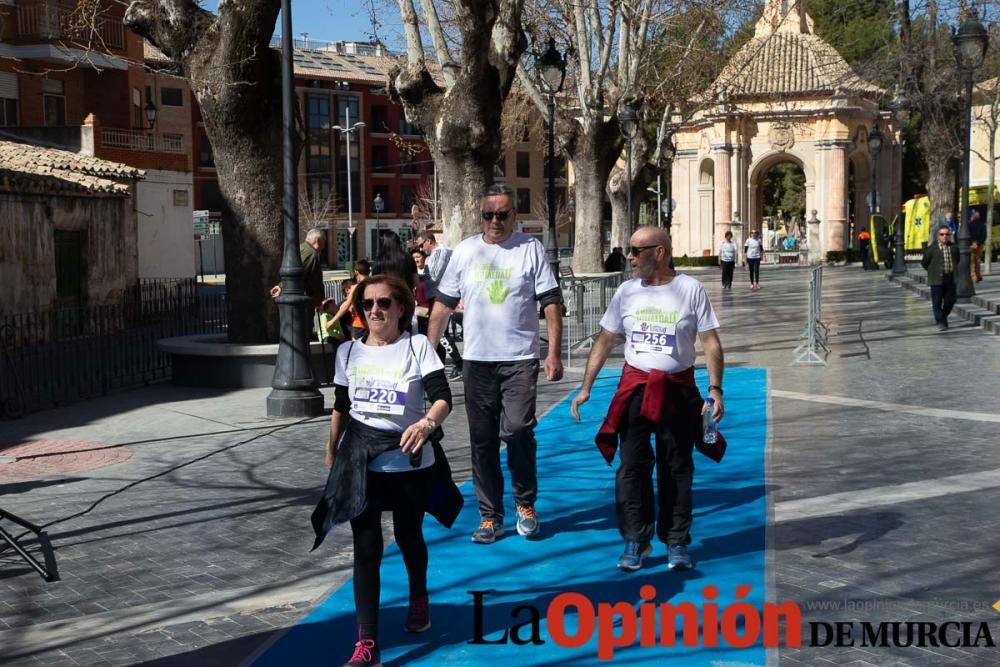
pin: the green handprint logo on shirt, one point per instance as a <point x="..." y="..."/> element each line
<point x="498" y="292"/>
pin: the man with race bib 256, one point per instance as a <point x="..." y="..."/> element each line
<point x="661" y="312"/>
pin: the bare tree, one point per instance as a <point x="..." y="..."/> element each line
<point x="476" y="61"/>
<point x="615" y="46"/>
<point x="235" y="76"/>
<point x="989" y="116"/>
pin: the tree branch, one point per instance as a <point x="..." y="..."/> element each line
<point x="444" y="58"/>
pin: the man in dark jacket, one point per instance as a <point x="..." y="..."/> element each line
<point x="941" y="261"/>
<point x="977" y="230"/>
<point x="310" y="252"/>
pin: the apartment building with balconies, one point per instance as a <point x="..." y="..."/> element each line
<point x="72" y="76"/>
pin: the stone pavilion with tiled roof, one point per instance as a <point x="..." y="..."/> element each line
<point x="786" y="96"/>
<point x="69" y="228"/>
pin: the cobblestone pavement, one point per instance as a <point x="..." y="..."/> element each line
<point x="884" y="473"/>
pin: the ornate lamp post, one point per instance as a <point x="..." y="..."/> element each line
<point x="379" y="205"/>
<point x="900" y="113"/>
<point x="874" y="146"/>
<point x="628" y="123"/>
<point x="294" y="392"/>
<point x="971" y="41"/>
<point x="669" y="152"/>
<point x="150" y="110"/>
<point x="347" y="130"/>
<point x="552" y="66"/>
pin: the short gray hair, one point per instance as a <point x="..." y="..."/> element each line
<point x="313" y="234"/>
<point x="497" y="189"/>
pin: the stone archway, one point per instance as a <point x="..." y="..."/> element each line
<point x="786" y="96"/>
<point x="761" y="167"/>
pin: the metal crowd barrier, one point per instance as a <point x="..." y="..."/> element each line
<point x="815" y="332"/>
<point x="586" y="299"/>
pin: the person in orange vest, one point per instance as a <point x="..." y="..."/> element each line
<point x="865" y="250"/>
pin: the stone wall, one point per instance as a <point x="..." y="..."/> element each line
<point x="27" y="248"/>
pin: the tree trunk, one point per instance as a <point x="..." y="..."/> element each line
<point x="463" y="178"/>
<point x="235" y="76"/>
<point x="940" y="170"/>
<point x="462" y="124"/>
<point x="593" y="153"/>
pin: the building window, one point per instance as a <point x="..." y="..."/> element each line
<point x="55" y="110"/>
<point x="407" y="198"/>
<point x="523" y="169"/>
<point x="205" y="155"/>
<point x="8" y="112"/>
<point x="408" y="128"/>
<point x="379" y="118"/>
<point x="171" y="97"/>
<point x="524" y="200"/>
<point x="8" y="99"/>
<point x="407" y="162"/>
<point x="380" y="159"/>
<point x="137" y="113"/>
<point x="319" y="153"/>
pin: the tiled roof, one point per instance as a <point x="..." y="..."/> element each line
<point x="29" y="168"/>
<point x="152" y="54"/>
<point x="786" y="64"/>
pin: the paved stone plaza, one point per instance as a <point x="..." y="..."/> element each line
<point x="883" y="479"/>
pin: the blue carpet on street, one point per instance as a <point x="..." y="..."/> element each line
<point x="577" y="552"/>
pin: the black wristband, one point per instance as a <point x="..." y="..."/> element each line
<point x="717" y="388"/>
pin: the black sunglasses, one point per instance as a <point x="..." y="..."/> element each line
<point x="635" y="250"/>
<point x="499" y="215"/>
<point x="383" y="302"/>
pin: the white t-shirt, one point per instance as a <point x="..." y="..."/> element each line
<point x="753" y="247"/>
<point x="727" y="251"/>
<point x="660" y="322"/>
<point x="498" y="284"/>
<point x="386" y="387"/>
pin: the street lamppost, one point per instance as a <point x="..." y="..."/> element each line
<point x="552" y="66"/>
<point x="669" y="152"/>
<point x="874" y="146"/>
<point x="628" y="123"/>
<point x="900" y="113"/>
<point x="347" y="130"/>
<point x="970" y="40"/>
<point x="379" y="204"/>
<point x="294" y="392"/>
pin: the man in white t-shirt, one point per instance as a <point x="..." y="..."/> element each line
<point x="501" y="276"/>
<point x="661" y="313"/>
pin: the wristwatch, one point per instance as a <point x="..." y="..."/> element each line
<point x="716" y="388"/>
<point x="430" y="421"/>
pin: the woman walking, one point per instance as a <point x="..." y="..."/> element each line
<point x="727" y="260"/>
<point x="753" y="250"/>
<point x="380" y="453"/>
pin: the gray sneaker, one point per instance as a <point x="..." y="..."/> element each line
<point x="488" y="532"/>
<point x="527" y="521"/>
<point x="635" y="552"/>
<point x="678" y="558"/>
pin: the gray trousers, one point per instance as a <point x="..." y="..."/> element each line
<point x="500" y="402"/>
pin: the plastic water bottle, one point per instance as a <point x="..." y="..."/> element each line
<point x="710" y="432"/>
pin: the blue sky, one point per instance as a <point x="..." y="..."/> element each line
<point x="336" y="20"/>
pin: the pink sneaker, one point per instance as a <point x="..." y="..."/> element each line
<point x="365" y="655"/>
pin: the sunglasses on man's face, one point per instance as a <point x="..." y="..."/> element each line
<point x="499" y="215"/>
<point x="636" y="250"/>
<point x="383" y="302"/>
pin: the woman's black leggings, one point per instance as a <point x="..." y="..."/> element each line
<point x="405" y="495"/>
<point x="754" y="266"/>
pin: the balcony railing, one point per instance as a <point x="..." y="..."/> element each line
<point x="139" y="140"/>
<point x="53" y="20"/>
